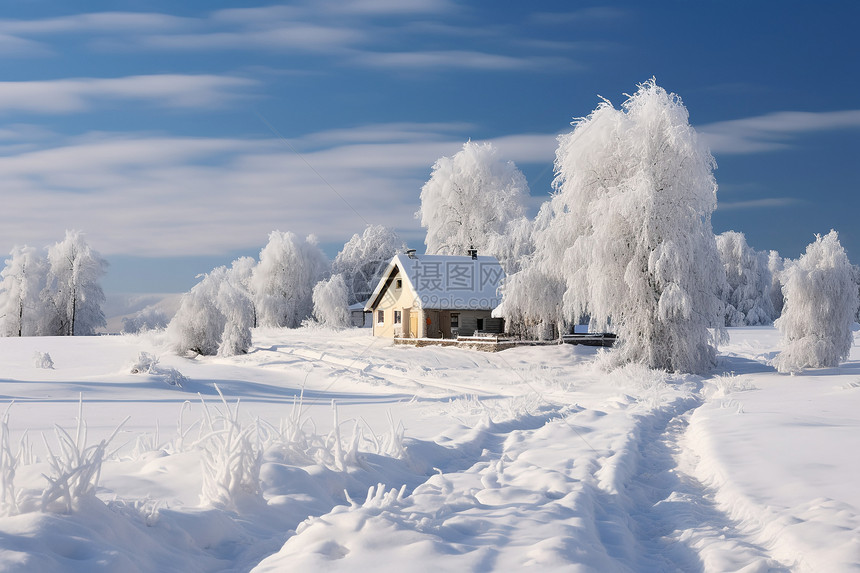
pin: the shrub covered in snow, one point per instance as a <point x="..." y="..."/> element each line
<point x="147" y="363"/>
<point x="42" y="360"/>
<point x="330" y="302"/>
<point x="214" y="317"/>
<point x="820" y="305"/>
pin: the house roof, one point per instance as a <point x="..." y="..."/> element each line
<point x="446" y="281"/>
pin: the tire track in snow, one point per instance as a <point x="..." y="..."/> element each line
<point x="658" y="517"/>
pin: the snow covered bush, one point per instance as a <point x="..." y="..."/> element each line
<point x="149" y="318"/>
<point x="749" y="281"/>
<point x="628" y="234"/>
<point x="43" y="360"/>
<point x="23" y="311"/>
<point x="363" y="260"/>
<point x="284" y="279"/>
<point x="214" y="317"/>
<point x="330" y="302"/>
<point x="147" y="363"/>
<point x="820" y="305"/>
<point x="73" y="290"/>
<point x="470" y="199"/>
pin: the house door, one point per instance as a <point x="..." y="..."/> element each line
<point x="413" y="324"/>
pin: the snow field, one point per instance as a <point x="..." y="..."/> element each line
<point x="431" y="459"/>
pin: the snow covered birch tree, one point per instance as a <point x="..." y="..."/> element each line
<point x="22" y="310"/>
<point x="330" y="306"/>
<point x="635" y="192"/>
<point x="284" y="279"/>
<point x="820" y="305"/>
<point x="73" y="288"/>
<point x="364" y="258"/>
<point x="470" y="199"/>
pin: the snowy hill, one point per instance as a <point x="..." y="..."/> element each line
<point x="124" y="305"/>
<point x="347" y="453"/>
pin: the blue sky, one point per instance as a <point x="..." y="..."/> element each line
<point x="178" y="135"/>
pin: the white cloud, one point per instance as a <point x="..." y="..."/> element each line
<point x="353" y="31"/>
<point x="769" y="203"/>
<point x="79" y="94"/>
<point x="300" y="37"/>
<point x="162" y="196"/>
<point x="11" y="45"/>
<point x="773" y="131"/>
<point x="460" y="59"/>
<point x="582" y="16"/>
<point x="110" y="22"/>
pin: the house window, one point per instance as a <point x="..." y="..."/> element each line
<point x="398" y="283"/>
<point x="455" y="320"/>
<point x="480" y="324"/>
<point x="397" y="317"/>
<point x="380" y="317"/>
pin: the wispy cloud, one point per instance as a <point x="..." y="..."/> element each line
<point x="769" y="203"/>
<point x="11" y="45"/>
<point x="357" y="32"/>
<point x="459" y="59"/>
<point x="299" y="37"/>
<point x="773" y="131"/>
<point x="161" y="196"/>
<point x="79" y="94"/>
<point x="584" y="15"/>
<point x="111" y="22"/>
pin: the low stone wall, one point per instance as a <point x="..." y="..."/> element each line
<point x="488" y="344"/>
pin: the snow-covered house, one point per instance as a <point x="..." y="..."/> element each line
<point x="437" y="296"/>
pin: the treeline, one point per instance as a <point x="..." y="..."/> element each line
<point x="290" y="284"/>
<point x="53" y="292"/>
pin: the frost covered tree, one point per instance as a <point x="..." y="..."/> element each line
<point x="330" y="302"/>
<point x="364" y="258"/>
<point x="628" y="232"/>
<point x="514" y="245"/>
<point x="214" y="317"/>
<point x="241" y="275"/>
<point x="73" y="290"/>
<point x="284" y="279"/>
<point x="749" y="281"/>
<point x="533" y="290"/>
<point x="22" y="309"/>
<point x="776" y="264"/>
<point x="470" y="199"/>
<point x="820" y="305"/>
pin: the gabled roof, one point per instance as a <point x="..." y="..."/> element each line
<point x="446" y="281"/>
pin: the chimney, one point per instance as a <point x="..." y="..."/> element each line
<point x="473" y="253"/>
<point x="410" y="253"/>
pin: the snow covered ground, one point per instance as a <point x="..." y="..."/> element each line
<point x="347" y="453"/>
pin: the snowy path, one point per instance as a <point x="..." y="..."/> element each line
<point x="673" y="518"/>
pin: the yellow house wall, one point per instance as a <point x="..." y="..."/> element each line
<point x="392" y="299"/>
